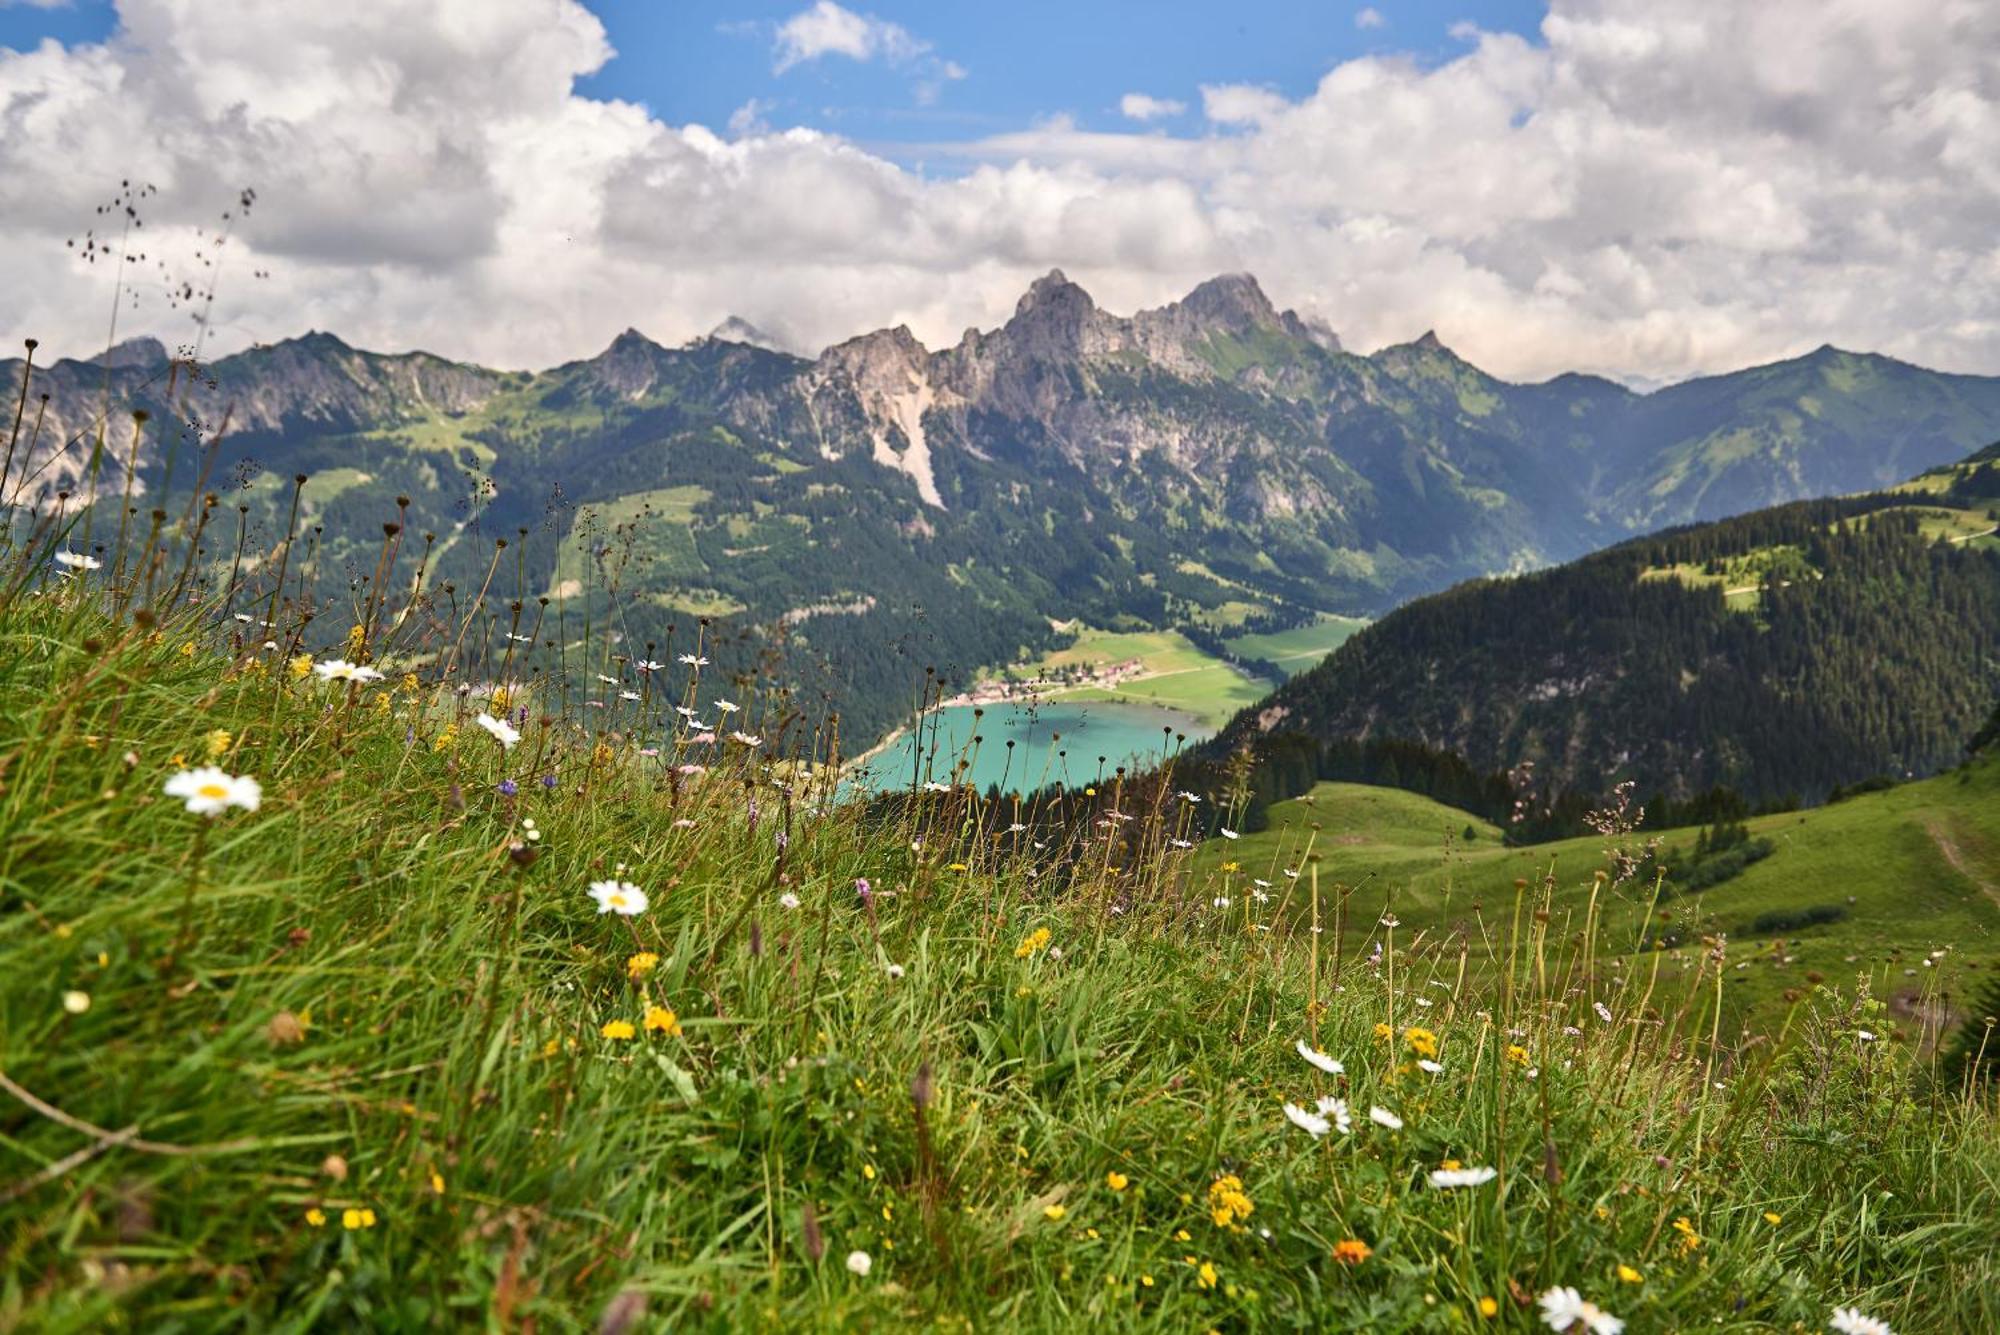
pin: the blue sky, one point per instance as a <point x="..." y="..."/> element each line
<point x="1022" y="62"/>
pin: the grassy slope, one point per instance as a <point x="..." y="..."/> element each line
<point x="355" y="998"/>
<point x="1176" y="674"/>
<point x="1297" y="649"/>
<point x="1917" y="868"/>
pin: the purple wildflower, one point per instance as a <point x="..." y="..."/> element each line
<point x="507" y="787"/>
<point x="548" y="781"/>
<point x="863" y="889"/>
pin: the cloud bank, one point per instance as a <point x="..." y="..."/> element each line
<point x="1654" y="189"/>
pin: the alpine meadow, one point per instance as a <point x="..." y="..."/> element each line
<point x="921" y="791"/>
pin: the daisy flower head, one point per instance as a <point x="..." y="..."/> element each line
<point x="1309" y="1122"/>
<point x="894" y="971"/>
<point x="501" y="731"/>
<point x="78" y="560"/>
<point x="727" y="706"/>
<point x="1428" y="1066"/>
<point x="1446" y="1178"/>
<point x="339" y="669"/>
<point x="620" y="897"/>
<point x="1382" y="1117"/>
<point x="1335" y="1110"/>
<point x="210" y="791"/>
<point x="860" y="1263"/>
<point x="696" y="660"/>
<point x="1852" y="1321"/>
<point x="788" y="900"/>
<point x="1564" y="1309"/>
<point x="1320" y="1059"/>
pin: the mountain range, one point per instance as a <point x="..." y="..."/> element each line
<point x="881" y="508"/>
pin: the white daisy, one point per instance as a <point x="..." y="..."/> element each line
<point x="620" y="897"/>
<point x="860" y="1263"/>
<point x="210" y="791"/>
<point x="1231" y="834"/>
<point x="1320" y="1059"/>
<point x="1462" y="1177"/>
<point x="1311" y="1123"/>
<point x="339" y="669"/>
<point x="1221" y="901"/>
<point x="1329" y="1106"/>
<point x="628" y="695"/>
<point x="78" y="561"/>
<point x="746" y="739"/>
<point x="788" y="900"/>
<point x="1851" y="1321"/>
<point x="503" y="732"/>
<point x="1381" y="1116"/>
<point x="1565" y="1309"/>
<point x="694" y="660"/>
<point x="894" y="971"/>
<point x="648" y="665"/>
<point x="1426" y="1064"/>
<point x="727" y="706"/>
<point x="1603" y="1011"/>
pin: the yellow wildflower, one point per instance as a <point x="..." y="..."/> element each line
<point x="619" y="1029"/>
<point x="1206" y="1275"/>
<point x="1352" y="1251"/>
<point x="1517" y="1054"/>
<point x="316" y="1217"/>
<point x="1228" y="1204"/>
<point x="1116" y="1181"/>
<point x="1422" y="1041"/>
<point x="1033" y="942"/>
<point x="1489" y="1308"/>
<point x="1232" y="866"/>
<point x="1689" y="1239"/>
<point x="218" y="742"/>
<point x="660" y="1020"/>
<point x="445" y="738"/>
<point x="300" y="667"/>
<point x="356" y="1219"/>
<point x="868" y="1171"/>
<point x="1629" y="1275"/>
<point x="437" y="1182"/>
<point x="641" y="964"/>
<point x="1384" y="1032"/>
<point x="1773" y="1218"/>
<point x="1054" y="1213"/>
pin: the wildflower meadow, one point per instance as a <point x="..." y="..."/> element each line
<point x="361" y="968"/>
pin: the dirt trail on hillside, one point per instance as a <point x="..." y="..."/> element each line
<point x="1956" y="857"/>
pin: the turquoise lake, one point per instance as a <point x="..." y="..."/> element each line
<point x="1124" y="734"/>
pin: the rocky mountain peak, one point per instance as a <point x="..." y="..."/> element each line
<point x="1053" y="293"/>
<point x="133" y="354"/>
<point x="1233" y="301"/>
<point x="736" y="329"/>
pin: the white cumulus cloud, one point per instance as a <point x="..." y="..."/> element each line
<point x="1144" y="107"/>
<point x="826" y="29"/>
<point x="1652" y="188"/>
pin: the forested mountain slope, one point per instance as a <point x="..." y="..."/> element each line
<point x="1781" y="653"/>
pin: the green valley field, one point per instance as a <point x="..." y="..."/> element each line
<point x="1908" y="878"/>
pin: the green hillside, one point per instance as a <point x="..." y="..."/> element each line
<point x="404" y="1018"/>
<point x="1903" y="873"/>
<point x="1782" y="653"/>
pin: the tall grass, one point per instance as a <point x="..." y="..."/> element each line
<point x="359" y="1058"/>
